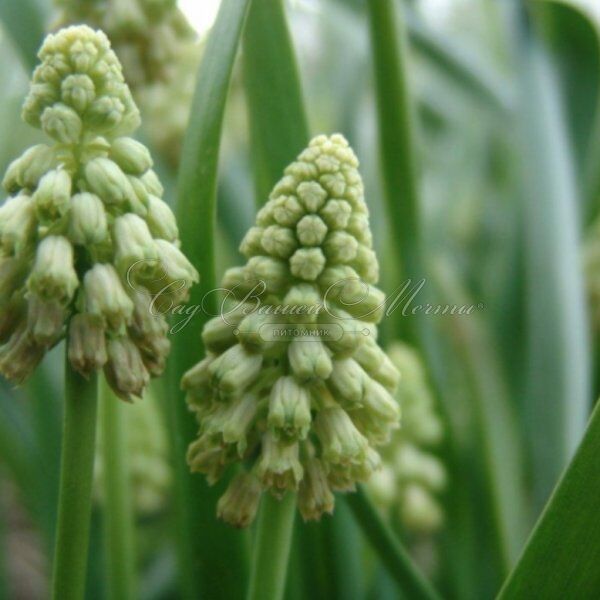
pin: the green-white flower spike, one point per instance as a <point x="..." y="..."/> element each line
<point x="159" y="51"/>
<point x="294" y="384"/>
<point x="84" y="235"/>
<point x="412" y="475"/>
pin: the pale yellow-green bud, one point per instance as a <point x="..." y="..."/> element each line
<point x="105" y="297"/>
<point x="45" y="319"/>
<point x="87" y="220"/>
<point x="239" y="504"/>
<point x="152" y="183"/>
<point x="106" y="179"/>
<point x="62" y="124"/>
<point x="125" y="369"/>
<point x="237" y="421"/>
<point x="26" y="171"/>
<point x="218" y="334"/>
<point x="79" y="91"/>
<point x="289" y="409"/>
<point x="252" y="242"/>
<point x="53" y="276"/>
<point x="348" y="381"/>
<point x="136" y="254"/>
<point x="161" y="220"/>
<point x="307" y="263"/>
<point x="309" y="359"/>
<point x="311" y="230"/>
<point x="420" y="511"/>
<point x="279" y="241"/>
<point x="132" y="156"/>
<point x="235" y="370"/>
<point x="341" y="440"/>
<point x="336" y="214"/>
<point x="20" y="355"/>
<point x="87" y="346"/>
<point x="177" y="271"/>
<point x="279" y="466"/>
<point x="52" y="195"/>
<point x="17" y="224"/>
<point x="315" y="496"/>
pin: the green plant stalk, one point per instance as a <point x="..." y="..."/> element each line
<point x="559" y="380"/>
<point x="272" y="547"/>
<point x="203" y="566"/>
<point x="562" y="555"/>
<point x="397" y="146"/>
<point x="118" y="509"/>
<point x="24" y="23"/>
<point x="75" y="494"/>
<point x="278" y="124"/>
<point x="391" y="553"/>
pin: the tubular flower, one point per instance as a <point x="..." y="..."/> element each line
<point x="80" y="252"/>
<point x="294" y="385"/>
<point x="159" y="51"/>
<point x="412" y="475"/>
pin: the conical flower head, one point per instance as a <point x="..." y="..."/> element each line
<point x="294" y="384"/>
<point x="412" y="475"/>
<point x="81" y="252"/>
<point x="160" y="52"/>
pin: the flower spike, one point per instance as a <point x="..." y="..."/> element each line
<point x="293" y="385"/>
<point x="80" y="247"/>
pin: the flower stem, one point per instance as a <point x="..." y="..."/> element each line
<point x="391" y="553"/>
<point x="75" y="494"/>
<point x="272" y="548"/>
<point x="118" y="513"/>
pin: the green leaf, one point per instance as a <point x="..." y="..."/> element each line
<point x="559" y="381"/>
<point x="23" y="22"/>
<point x="397" y="144"/>
<point x="203" y="568"/>
<point x="278" y="125"/>
<point x="562" y="556"/>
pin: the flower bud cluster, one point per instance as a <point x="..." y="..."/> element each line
<point x="147" y="458"/>
<point x="160" y="53"/>
<point x="303" y="411"/>
<point x="412" y="476"/>
<point x="85" y="240"/>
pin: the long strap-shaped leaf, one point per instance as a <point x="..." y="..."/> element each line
<point x="559" y="371"/>
<point x="278" y="124"/>
<point x="562" y="556"/>
<point x="23" y="22"/>
<point x="203" y="541"/>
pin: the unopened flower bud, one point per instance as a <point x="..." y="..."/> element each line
<point x="341" y="440"/>
<point x="79" y="91"/>
<point x="279" y="466"/>
<point x="87" y="220"/>
<point x="107" y="180"/>
<point x="26" y="171"/>
<point x="45" y="319"/>
<point x="53" y="276"/>
<point x="132" y="156"/>
<point x="279" y="242"/>
<point x="309" y="359"/>
<point x="161" y="220"/>
<point x="307" y="263"/>
<point x="20" y="355"/>
<point x="177" y="269"/>
<point x="238" y="505"/>
<point x="52" y="195"/>
<point x="136" y="251"/>
<point x="105" y="297"/>
<point x="311" y="230"/>
<point x="314" y="495"/>
<point x="235" y="370"/>
<point x="348" y="381"/>
<point x="125" y="370"/>
<point x="87" y="346"/>
<point x="289" y="409"/>
<point x="62" y="123"/>
<point x="17" y="224"/>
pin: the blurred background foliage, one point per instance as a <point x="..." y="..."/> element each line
<point x="505" y="149"/>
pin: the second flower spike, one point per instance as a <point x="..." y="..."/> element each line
<point x="294" y="385"/>
<point x="86" y="241"/>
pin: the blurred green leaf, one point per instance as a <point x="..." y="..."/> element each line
<point x="278" y="125"/>
<point x="203" y="567"/>
<point x="562" y="556"/>
<point x="558" y="398"/>
<point x="23" y="21"/>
